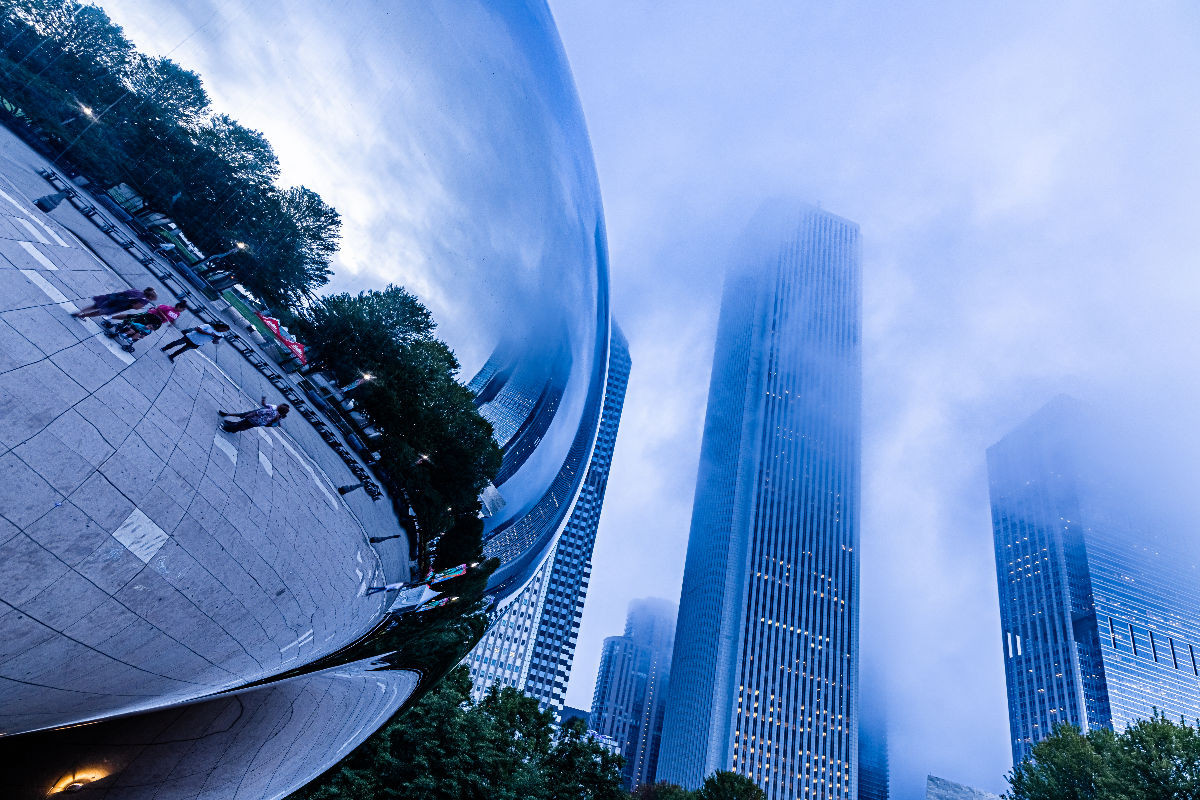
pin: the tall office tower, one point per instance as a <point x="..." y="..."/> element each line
<point x="1099" y="609"/>
<point x="764" y="675"/>
<point x="941" y="789"/>
<point x="873" y="772"/>
<point x="630" y="695"/>
<point x="532" y="645"/>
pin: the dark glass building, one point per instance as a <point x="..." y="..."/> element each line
<point x="1099" y="610"/>
<point x="630" y="695"/>
<point x="764" y="675"/>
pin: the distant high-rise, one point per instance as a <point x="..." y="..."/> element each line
<point x="941" y="789"/>
<point x="630" y="694"/>
<point x="1099" y="614"/>
<point x="532" y="646"/>
<point x="764" y="674"/>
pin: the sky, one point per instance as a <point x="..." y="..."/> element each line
<point x="1025" y="177"/>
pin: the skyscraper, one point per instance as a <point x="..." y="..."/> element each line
<point x="630" y="695"/>
<point x="764" y="673"/>
<point x="532" y="646"/>
<point x="1099" y="610"/>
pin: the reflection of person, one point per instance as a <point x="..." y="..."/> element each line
<point x="265" y="416"/>
<point x="115" y="303"/>
<point x="194" y="337"/>
<point x="165" y="313"/>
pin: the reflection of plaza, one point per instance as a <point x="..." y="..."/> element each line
<point x="201" y="598"/>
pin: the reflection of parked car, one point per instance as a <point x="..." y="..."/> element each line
<point x="360" y="434"/>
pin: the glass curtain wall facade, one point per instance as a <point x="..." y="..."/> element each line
<point x="764" y="677"/>
<point x="532" y="645"/>
<point x="1099" y="611"/>
<point x="630" y="696"/>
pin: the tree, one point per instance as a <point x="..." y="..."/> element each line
<point x="1154" y="759"/>
<point x="662" y="791"/>
<point x="583" y="767"/>
<point x="446" y="747"/>
<point x="729" y="786"/>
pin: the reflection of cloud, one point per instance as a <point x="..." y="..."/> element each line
<point x="449" y="138"/>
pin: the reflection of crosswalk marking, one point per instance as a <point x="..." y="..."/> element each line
<point x="304" y="463"/>
<point x="225" y="447"/>
<point x="37" y="255"/>
<point x="54" y="294"/>
<point x="50" y="232"/>
<point x="34" y="232"/>
<point x="12" y="202"/>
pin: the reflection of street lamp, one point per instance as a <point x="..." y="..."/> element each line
<point x="366" y="376"/>
<point x="201" y="264"/>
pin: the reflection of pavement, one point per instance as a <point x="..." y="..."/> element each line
<point x="262" y="743"/>
<point x="146" y="557"/>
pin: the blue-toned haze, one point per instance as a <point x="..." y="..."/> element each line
<point x="1025" y="177"/>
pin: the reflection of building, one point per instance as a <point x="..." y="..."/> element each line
<point x="1100" y="618"/>
<point x="942" y="789"/>
<point x="873" y="773"/>
<point x="532" y="644"/>
<point x="630" y="694"/>
<point x="764" y="675"/>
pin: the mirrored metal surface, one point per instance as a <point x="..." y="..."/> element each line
<point x="169" y="563"/>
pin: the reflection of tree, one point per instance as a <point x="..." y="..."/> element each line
<point x="434" y="446"/>
<point x="124" y="116"/>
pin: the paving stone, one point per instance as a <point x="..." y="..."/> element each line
<point x="68" y="533"/>
<point x="102" y="502"/>
<point x="28" y="495"/>
<point x="55" y="461"/>
<point x="21" y="632"/>
<point x="133" y="468"/>
<point x="65" y="601"/>
<point x="26" y="568"/>
<point x="110" y="566"/>
<point x="45" y="328"/>
<point x="15" y="349"/>
<point x="81" y="436"/>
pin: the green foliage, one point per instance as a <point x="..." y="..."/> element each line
<point x="447" y="747"/>
<point x="662" y="791"/>
<point x="718" y="786"/>
<point x="435" y="446"/>
<point x="729" y="786"/>
<point x="1155" y="759"/>
<point x="124" y="116"/>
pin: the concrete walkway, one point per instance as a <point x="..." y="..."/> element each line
<point x="146" y="557"/>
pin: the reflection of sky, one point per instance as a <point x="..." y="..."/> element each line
<point x="449" y="137"/>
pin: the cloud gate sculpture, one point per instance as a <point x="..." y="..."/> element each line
<point x="187" y="614"/>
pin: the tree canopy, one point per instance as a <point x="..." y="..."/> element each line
<point x="450" y="748"/>
<point x="1154" y="759"/>
<point x="120" y="115"/>
<point x="718" y="786"/>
